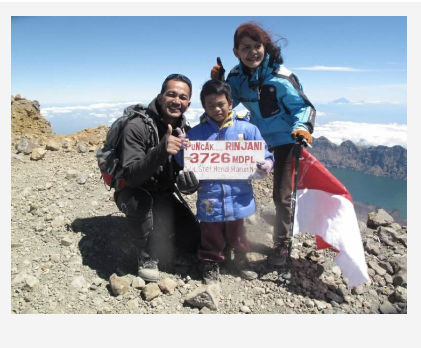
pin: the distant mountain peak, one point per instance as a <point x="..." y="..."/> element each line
<point x="342" y="101"/>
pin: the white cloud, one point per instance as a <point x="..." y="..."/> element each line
<point x="327" y="68"/>
<point x="98" y="106"/>
<point x="364" y="134"/>
<point x="193" y="115"/>
<point x="58" y="111"/>
<point x="97" y="115"/>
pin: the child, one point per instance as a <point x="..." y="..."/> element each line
<point x="278" y="107"/>
<point x="222" y="205"/>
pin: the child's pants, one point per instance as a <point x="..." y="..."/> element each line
<point x="215" y="236"/>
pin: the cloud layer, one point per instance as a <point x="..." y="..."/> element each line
<point x="364" y="134"/>
<point x="73" y="118"/>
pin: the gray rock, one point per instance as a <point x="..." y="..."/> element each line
<point x="52" y="145"/>
<point x="150" y="291"/>
<point x="82" y="149"/>
<point x="400" y="279"/>
<point x="358" y="290"/>
<point x="387" y="308"/>
<point x="320" y="304"/>
<point x="379" y="218"/>
<point x="79" y="282"/>
<point x="119" y="285"/>
<point x="26" y="146"/>
<point x="81" y="179"/>
<point x="31" y="283"/>
<point x="334" y="297"/>
<point x="379" y="270"/>
<point x="371" y="248"/>
<point x="67" y="143"/>
<point x="399" y="295"/>
<point x="205" y="296"/>
<point x="387" y="266"/>
<point x="138" y="283"/>
<point x="38" y="153"/>
<point x="66" y="241"/>
<point x="167" y="285"/>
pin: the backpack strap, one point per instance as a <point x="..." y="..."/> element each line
<point x="287" y="74"/>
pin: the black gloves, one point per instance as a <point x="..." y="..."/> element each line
<point x="187" y="182"/>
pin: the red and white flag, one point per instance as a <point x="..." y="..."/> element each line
<point x="324" y="207"/>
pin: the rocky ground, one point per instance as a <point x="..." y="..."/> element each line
<point x="70" y="253"/>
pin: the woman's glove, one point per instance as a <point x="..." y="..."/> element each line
<point x="301" y="133"/>
<point x="187" y="182"/>
<point x="218" y="71"/>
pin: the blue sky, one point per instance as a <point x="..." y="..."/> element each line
<point x="86" y="69"/>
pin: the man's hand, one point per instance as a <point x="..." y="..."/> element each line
<point x="302" y="133"/>
<point x="187" y="182"/>
<point x="218" y="71"/>
<point x="173" y="143"/>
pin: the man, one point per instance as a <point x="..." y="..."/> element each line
<point x="150" y="173"/>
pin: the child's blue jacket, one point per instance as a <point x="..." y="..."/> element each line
<point x="225" y="200"/>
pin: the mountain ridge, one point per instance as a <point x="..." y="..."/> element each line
<point x="379" y="160"/>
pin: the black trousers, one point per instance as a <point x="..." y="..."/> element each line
<point x="155" y="213"/>
<point x="282" y="189"/>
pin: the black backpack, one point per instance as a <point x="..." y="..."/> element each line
<point x="107" y="157"/>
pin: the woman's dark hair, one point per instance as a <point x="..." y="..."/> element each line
<point x="215" y="87"/>
<point x="256" y="33"/>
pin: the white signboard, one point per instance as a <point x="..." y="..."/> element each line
<point x="227" y="160"/>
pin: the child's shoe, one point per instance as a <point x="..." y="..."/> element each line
<point x="211" y="272"/>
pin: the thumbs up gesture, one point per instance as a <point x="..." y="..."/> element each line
<point x="218" y="71"/>
<point x="173" y="143"/>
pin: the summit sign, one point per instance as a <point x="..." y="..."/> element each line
<point x="223" y="160"/>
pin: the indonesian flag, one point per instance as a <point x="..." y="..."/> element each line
<point x="324" y="207"/>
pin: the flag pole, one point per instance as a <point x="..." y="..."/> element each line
<point x="300" y="141"/>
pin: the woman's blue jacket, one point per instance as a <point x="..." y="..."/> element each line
<point x="276" y="101"/>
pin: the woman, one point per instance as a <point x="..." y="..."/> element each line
<point x="278" y="107"/>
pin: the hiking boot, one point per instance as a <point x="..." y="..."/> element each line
<point x="242" y="266"/>
<point x="211" y="272"/>
<point x="147" y="269"/>
<point x="279" y="255"/>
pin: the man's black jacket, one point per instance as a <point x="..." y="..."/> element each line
<point x="150" y="168"/>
